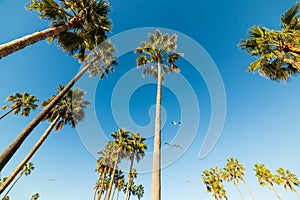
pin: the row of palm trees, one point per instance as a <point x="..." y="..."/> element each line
<point x="234" y="172"/>
<point x="125" y="145"/>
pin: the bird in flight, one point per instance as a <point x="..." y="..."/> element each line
<point x="173" y="145"/>
<point x="175" y="123"/>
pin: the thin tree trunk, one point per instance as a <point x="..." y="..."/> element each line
<point x="112" y="177"/>
<point x="8" y="153"/>
<point x="156" y="174"/>
<point x="238" y="189"/>
<point x="129" y="177"/>
<point x="29" y="155"/>
<point x="12" y="185"/>
<point x="248" y="189"/>
<point x="112" y="197"/>
<point x="98" y="183"/>
<point x="272" y="187"/>
<point x="297" y="193"/>
<point x="102" y="182"/>
<point x="118" y="194"/>
<point x="12" y="109"/>
<point x="18" y="44"/>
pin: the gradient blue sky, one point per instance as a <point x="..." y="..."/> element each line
<point x="262" y="116"/>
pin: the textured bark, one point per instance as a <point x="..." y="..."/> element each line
<point x="129" y="177"/>
<point x="112" y="178"/>
<point x="29" y="155"/>
<point x="8" y="153"/>
<point x="156" y="173"/>
<point x="18" y="44"/>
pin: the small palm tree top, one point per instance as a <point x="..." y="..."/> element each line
<point x="233" y="171"/>
<point x="286" y="178"/>
<point x="277" y="51"/>
<point x="22" y="103"/>
<point x="136" y="145"/>
<point x="161" y="49"/>
<point x="70" y="108"/>
<point x="89" y="19"/>
<point x="263" y="174"/>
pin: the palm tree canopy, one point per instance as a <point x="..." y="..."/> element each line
<point x="136" y="145"/>
<point x="160" y="49"/>
<point x="70" y="108"/>
<point x="27" y="169"/>
<point x="286" y="178"/>
<point x="234" y="171"/>
<point x="263" y="174"/>
<point x="88" y="18"/>
<point x="277" y="51"/>
<point x="22" y="103"/>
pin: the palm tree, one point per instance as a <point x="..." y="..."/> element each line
<point x="119" y="177"/>
<point x="35" y="196"/>
<point x="287" y="179"/>
<point x="22" y="103"/>
<point x="159" y="57"/>
<point x="265" y="177"/>
<point x="213" y="181"/>
<point x="119" y="186"/>
<point x="120" y="141"/>
<point x="26" y="170"/>
<point x="234" y="172"/>
<point x="70" y="110"/>
<point x="140" y="191"/>
<point x="277" y="51"/>
<point x="136" y="148"/>
<point x="77" y="26"/>
<point x="99" y="62"/>
<point x="132" y="189"/>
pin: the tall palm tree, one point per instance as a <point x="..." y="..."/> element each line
<point x="234" y="172"/>
<point x="118" y="179"/>
<point x="75" y="24"/>
<point x="99" y="62"/>
<point x="70" y="110"/>
<point x="212" y="179"/>
<point x="120" y="141"/>
<point x="286" y="178"/>
<point x="26" y="170"/>
<point x="136" y="148"/>
<point x="159" y="57"/>
<point x="119" y="186"/>
<point x="22" y="103"/>
<point x="277" y="51"/>
<point x="265" y="177"/>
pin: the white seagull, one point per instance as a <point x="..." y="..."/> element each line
<point x="175" y="123"/>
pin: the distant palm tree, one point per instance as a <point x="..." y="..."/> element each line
<point x="27" y="169"/>
<point x="159" y="57"/>
<point x="35" y="196"/>
<point x="234" y="172"/>
<point x="99" y="62"/>
<point x="120" y="141"/>
<point x="277" y="51"/>
<point x="136" y="148"/>
<point x="140" y="191"/>
<point x="70" y="110"/>
<point x="213" y="181"/>
<point x="119" y="186"/>
<point x="77" y="25"/>
<point x="119" y="178"/>
<point x="265" y="177"/>
<point x="22" y="103"/>
<point x="287" y="179"/>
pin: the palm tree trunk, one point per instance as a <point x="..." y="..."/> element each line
<point x="8" y="153"/>
<point x="238" y="189"/>
<point x="112" y="177"/>
<point x="12" y="109"/>
<point x="98" y="182"/>
<point x="297" y="193"/>
<point x="118" y="194"/>
<point x="12" y="185"/>
<point x="272" y="187"/>
<point x="102" y="182"/>
<point x="112" y="197"/>
<point x="248" y="189"/>
<point x="156" y="174"/>
<point x="129" y="177"/>
<point x="29" y="155"/>
<point x="18" y="44"/>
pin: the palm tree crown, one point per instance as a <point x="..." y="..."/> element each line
<point x="277" y="51"/>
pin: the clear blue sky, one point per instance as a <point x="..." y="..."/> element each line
<point x="262" y="118"/>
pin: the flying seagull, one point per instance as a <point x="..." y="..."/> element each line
<point x="173" y="145"/>
<point x="175" y="123"/>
